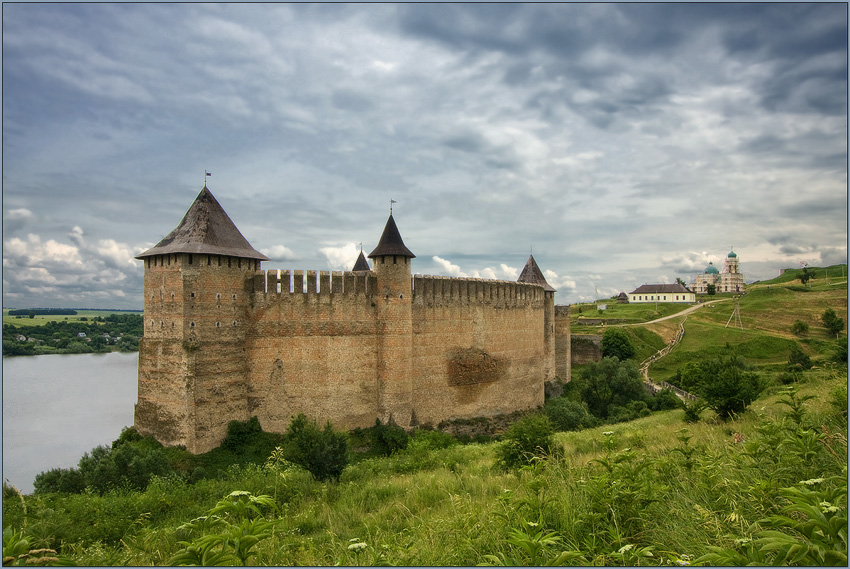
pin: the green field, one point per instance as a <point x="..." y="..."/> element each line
<point x="40" y="319"/>
<point x="655" y="491"/>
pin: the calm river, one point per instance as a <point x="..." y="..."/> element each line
<point x="55" y="408"/>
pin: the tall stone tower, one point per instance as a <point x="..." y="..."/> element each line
<point x="391" y="265"/>
<point x="192" y="364"/>
<point x="531" y="273"/>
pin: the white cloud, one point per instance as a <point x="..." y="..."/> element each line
<point x="341" y="258"/>
<point x="20" y="213"/>
<point x="279" y="253"/>
<point x="451" y="269"/>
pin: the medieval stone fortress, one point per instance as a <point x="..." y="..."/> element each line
<point x="227" y="340"/>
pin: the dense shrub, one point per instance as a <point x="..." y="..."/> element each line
<point x="68" y="480"/>
<point x="431" y="440"/>
<point x="616" y="344"/>
<point x="240" y="433"/>
<point x="130" y="462"/>
<point x="387" y="439"/>
<point x="799" y="328"/>
<point x="664" y="400"/>
<point x="799" y="358"/>
<point x="323" y="452"/>
<point x="610" y="382"/>
<point x="568" y="415"/>
<point x="528" y="439"/>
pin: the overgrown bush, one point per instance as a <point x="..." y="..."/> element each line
<point x="321" y="451"/>
<point x="799" y="328"/>
<point x="610" y="382"/>
<point x="799" y="358"/>
<point x="664" y="400"/>
<point x="129" y="463"/>
<point x="568" y="415"/>
<point x="239" y="433"/>
<point x="387" y="439"/>
<point x="528" y="439"/>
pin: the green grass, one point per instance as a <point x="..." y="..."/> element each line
<point x="41" y="319"/>
<point x="629" y="313"/>
<point x="617" y="489"/>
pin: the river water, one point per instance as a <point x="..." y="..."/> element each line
<point x="57" y="407"/>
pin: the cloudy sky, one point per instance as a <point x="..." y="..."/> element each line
<point x="623" y="144"/>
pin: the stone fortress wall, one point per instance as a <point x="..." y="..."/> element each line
<point x="225" y="340"/>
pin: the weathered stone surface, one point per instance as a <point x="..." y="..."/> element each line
<point x="226" y="341"/>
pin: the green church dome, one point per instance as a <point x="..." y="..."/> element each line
<point x="732" y="254"/>
<point x="711" y="269"/>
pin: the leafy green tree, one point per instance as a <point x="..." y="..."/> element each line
<point x="323" y="452"/>
<point x="610" y="382"/>
<point x="832" y="322"/>
<point x="568" y="415"/>
<point x="799" y="358"/>
<point x="711" y="289"/>
<point x="67" y="480"/>
<point x="805" y="275"/>
<point x="616" y="344"/>
<point x="726" y="385"/>
<point x="799" y="328"/>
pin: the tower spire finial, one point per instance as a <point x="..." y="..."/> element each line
<point x="206" y="175"/>
<point x="392" y="201"/>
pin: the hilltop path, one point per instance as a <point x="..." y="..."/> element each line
<point x="682" y="313"/>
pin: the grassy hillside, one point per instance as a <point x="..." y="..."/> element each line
<point x="768" y="310"/>
<point x="655" y="491"/>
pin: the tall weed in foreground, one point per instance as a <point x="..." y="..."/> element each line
<point x="228" y="533"/>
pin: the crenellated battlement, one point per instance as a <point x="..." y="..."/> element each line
<point x="431" y="290"/>
<point x="283" y="282"/>
<point x="428" y="290"/>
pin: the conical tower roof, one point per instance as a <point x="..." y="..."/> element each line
<point x="391" y="242"/>
<point x="362" y="264"/>
<point x="531" y="273"/>
<point x="206" y="229"/>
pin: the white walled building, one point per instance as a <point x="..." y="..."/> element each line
<point x="662" y="293"/>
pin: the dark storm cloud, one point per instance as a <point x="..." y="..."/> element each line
<point x="575" y="128"/>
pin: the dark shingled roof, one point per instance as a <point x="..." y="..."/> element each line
<point x="662" y="288"/>
<point x="362" y="264"/>
<point x="205" y="229"/>
<point x="391" y="242"/>
<point x="531" y="273"/>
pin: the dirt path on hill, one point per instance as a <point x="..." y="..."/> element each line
<point x="682" y="313"/>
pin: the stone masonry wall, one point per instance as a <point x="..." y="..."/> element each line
<point x="234" y="341"/>
<point x="478" y="347"/>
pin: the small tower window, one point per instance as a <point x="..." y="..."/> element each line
<point x="190" y="258"/>
<point x="191" y="324"/>
<point x="218" y="324"/>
